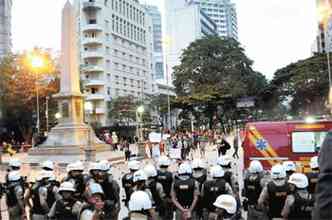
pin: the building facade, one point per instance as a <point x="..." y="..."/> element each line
<point x="5" y="26"/>
<point x="185" y="23"/>
<point x="115" y="52"/>
<point x="157" y="51"/>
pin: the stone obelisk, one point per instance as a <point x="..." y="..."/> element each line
<point x="68" y="140"/>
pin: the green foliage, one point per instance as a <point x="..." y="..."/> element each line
<point x="215" y="72"/>
<point x="18" y="91"/>
<point x="303" y="85"/>
<point x="122" y="110"/>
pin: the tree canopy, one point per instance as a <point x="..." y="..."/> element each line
<point x="215" y="72"/>
<point x="18" y="85"/>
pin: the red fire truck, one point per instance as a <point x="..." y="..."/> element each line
<point x="275" y="142"/>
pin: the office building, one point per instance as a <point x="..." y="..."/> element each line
<point x="115" y="52"/>
<point x="157" y="51"/>
<point x="185" y="23"/>
<point x="223" y="14"/>
<point x="5" y="26"/>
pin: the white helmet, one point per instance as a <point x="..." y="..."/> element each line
<point x="217" y="172"/>
<point x="314" y="162"/>
<point x="52" y="177"/>
<point x="106" y="165"/>
<point x="226" y="202"/>
<point x="94" y="188"/>
<point x="164" y="161"/>
<point x="139" y="176"/>
<point x="255" y="167"/>
<point x="14" y="163"/>
<point x="134" y="165"/>
<point x="299" y="180"/>
<point x="185" y="168"/>
<point x="77" y="166"/>
<point x="44" y="174"/>
<point x="289" y="166"/>
<point x="14" y="176"/>
<point x="150" y="171"/>
<point x="224" y="160"/>
<point x="278" y="172"/>
<point x="198" y="163"/>
<point x="48" y="165"/>
<point x="139" y="201"/>
<point x="96" y="166"/>
<point x="67" y="186"/>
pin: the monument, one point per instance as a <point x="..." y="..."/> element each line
<point x="71" y="139"/>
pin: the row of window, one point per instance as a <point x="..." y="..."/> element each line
<point x="118" y="41"/>
<point x="130" y="69"/>
<point x="127" y="29"/>
<point x="124" y="92"/>
<point x="129" y="57"/>
<point x="129" y="11"/>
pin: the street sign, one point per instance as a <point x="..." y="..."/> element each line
<point x="246" y="102"/>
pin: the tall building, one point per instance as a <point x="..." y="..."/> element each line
<point x="223" y="13"/>
<point x="115" y="52"/>
<point x="157" y="51"/>
<point x="185" y="23"/>
<point x="5" y="26"/>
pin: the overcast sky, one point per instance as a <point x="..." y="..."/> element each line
<point x="274" y="32"/>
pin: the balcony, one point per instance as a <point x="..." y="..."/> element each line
<point x="95" y="82"/>
<point x="93" y="69"/>
<point x="92" y="5"/>
<point x="93" y="54"/>
<point x="92" y="41"/>
<point x="92" y="27"/>
<point x="94" y="97"/>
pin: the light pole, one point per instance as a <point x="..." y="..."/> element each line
<point x="90" y="151"/>
<point x="139" y="118"/>
<point x="37" y="63"/>
<point x="46" y="112"/>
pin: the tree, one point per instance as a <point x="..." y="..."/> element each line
<point x="18" y="85"/>
<point x="303" y="86"/>
<point x="215" y="72"/>
<point x="122" y="110"/>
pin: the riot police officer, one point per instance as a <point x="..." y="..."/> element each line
<point x="94" y="208"/>
<point x="289" y="167"/>
<point x="47" y="165"/>
<point x="185" y="192"/>
<point x="273" y="195"/>
<point x="39" y="195"/>
<point x="253" y="185"/>
<point x="75" y="176"/>
<point x="66" y="208"/>
<point x="226" y="207"/>
<point x="15" y="196"/>
<point x="214" y="188"/>
<point x="299" y="204"/>
<point x="156" y="189"/>
<point x="226" y="164"/>
<point x="200" y="175"/>
<point x="13" y="165"/>
<point x="52" y="190"/>
<point x="127" y="179"/>
<point x="166" y="179"/>
<point x="111" y="190"/>
<point x="140" y="206"/>
<point x="313" y="175"/>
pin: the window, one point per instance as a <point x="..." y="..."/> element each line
<point x="108" y="91"/>
<point x="307" y="142"/>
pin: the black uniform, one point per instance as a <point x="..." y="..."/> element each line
<point x="302" y="208"/>
<point x="252" y="188"/>
<point x="277" y="197"/>
<point x="112" y="197"/>
<point x="213" y="189"/>
<point x="37" y="208"/>
<point x="313" y="179"/>
<point x="184" y="190"/>
<point x="166" y="180"/>
<point x="79" y="185"/>
<point x="128" y="184"/>
<point x="201" y="180"/>
<point x="64" y="210"/>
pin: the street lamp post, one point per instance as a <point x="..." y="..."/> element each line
<point x="139" y="118"/>
<point x="90" y="151"/>
<point x="46" y="113"/>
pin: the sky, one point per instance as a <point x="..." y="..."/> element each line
<point x="274" y="33"/>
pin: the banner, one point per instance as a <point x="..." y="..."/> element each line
<point x="175" y="153"/>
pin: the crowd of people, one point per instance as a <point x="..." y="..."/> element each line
<point x="152" y="191"/>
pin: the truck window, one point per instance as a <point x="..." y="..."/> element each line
<point x="307" y="142"/>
